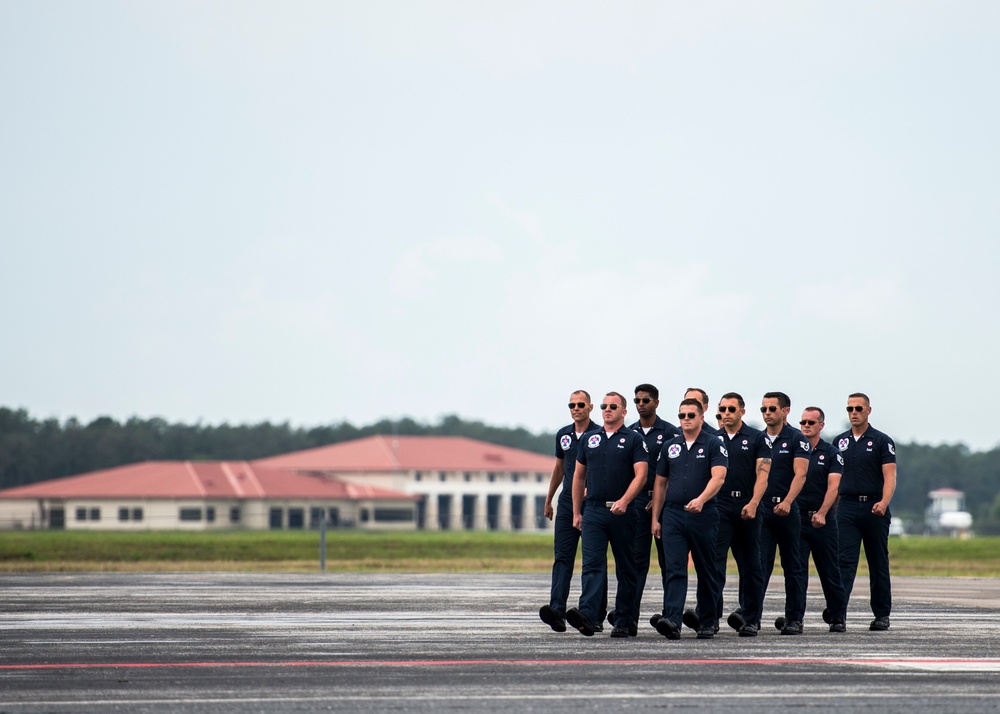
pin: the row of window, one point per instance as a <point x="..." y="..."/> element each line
<point x="278" y="517"/>
<point x="491" y="476"/>
<point x="136" y="514"/>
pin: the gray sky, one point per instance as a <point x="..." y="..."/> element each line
<point x="318" y="211"/>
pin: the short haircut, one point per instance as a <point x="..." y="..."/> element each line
<point x="693" y="403"/>
<point x="783" y="400"/>
<point x="584" y="392"/>
<point x="648" y="389"/>
<point x="703" y="393"/>
<point x="860" y="395"/>
<point x="822" y="416"/>
<point x="621" y="399"/>
<point x="737" y="397"/>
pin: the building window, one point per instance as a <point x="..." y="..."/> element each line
<point x="419" y="476"/>
<point x="468" y="477"/>
<point x="491" y="477"/>
<point x="210" y="514"/>
<point x="81" y="514"/>
<point x="123" y="514"/>
<point x="95" y="514"/>
<point x="365" y="515"/>
<point x="539" y="478"/>
<point x="137" y="514"/>
<point x="190" y="514"/>
<point x="234" y="514"/>
<point x="296" y="518"/>
<point x="442" y="476"/>
<point x="515" y="477"/>
<point x="394" y="515"/>
<point x="277" y="518"/>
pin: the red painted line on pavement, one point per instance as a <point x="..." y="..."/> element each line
<point x="487" y="662"/>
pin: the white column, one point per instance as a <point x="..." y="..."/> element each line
<point x="504" y="516"/>
<point x="431" y="512"/>
<point x="480" y="519"/>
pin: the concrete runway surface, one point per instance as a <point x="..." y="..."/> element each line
<point x="224" y="642"/>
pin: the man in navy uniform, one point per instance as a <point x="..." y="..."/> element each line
<point x="611" y="470"/>
<point x="702" y="396"/>
<point x="818" y="515"/>
<point x="656" y="431"/>
<point x="566" y="538"/>
<point x="781" y="525"/>
<point x="739" y="518"/>
<point x="690" y="471"/>
<point x="863" y="515"/>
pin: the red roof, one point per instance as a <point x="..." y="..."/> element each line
<point x="412" y="453"/>
<point x="199" y="479"/>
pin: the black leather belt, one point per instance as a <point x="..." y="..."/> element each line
<point x="859" y="499"/>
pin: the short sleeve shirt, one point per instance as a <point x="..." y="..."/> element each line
<point x="688" y="470"/>
<point x="823" y="461"/>
<point x="745" y="447"/>
<point x="787" y="446"/>
<point x="610" y="462"/>
<point x="659" y="434"/>
<point x="863" y="461"/>
<point x="567" y="445"/>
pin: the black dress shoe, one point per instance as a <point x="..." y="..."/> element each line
<point x="668" y="629"/>
<point x="580" y="621"/>
<point x="654" y="619"/>
<point x="792" y="627"/>
<point x="735" y="619"/>
<point x="611" y="618"/>
<point x="748" y="630"/>
<point x="838" y="627"/>
<point x="879" y="624"/>
<point x="552" y="618"/>
<point x="707" y="632"/>
<point x="633" y="631"/>
<point x="779" y="622"/>
<point x="827" y="617"/>
<point x="690" y="619"/>
<point x="617" y="631"/>
<point x="599" y="627"/>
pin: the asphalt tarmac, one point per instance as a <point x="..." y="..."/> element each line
<point x="466" y="642"/>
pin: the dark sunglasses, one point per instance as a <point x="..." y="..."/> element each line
<point x="642" y="400"/>
<point x="688" y="415"/>
<point x="856" y="408"/>
<point x="769" y="408"/>
<point x="718" y="417"/>
<point x="605" y="407"/>
<point x="731" y="409"/>
<point x="807" y="422"/>
<point x="578" y="405"/>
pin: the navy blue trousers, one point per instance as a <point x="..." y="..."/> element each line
<point x="743" y="537"/>
<point x="859" y="525"/>
<point x="782" y="533"/>
<point x="643" y="543"/>
<point x="565" y="541"/>
<point x="681" y="533"/>
<point x="824" y="544"/>
<point x="600" y="528"/>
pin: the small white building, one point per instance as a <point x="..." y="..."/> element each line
<point x="946" y="514"/>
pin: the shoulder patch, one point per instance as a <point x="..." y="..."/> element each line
<point x="892" y="449"/>
<point x="840" y="459"/>
<point x="566" y="441"/>
<point x="724" y="452"/>
<point x="804" y="445"/>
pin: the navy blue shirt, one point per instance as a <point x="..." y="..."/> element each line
<point x="610" y="462"/>
<point x="659" y="434"/>
<point x="714" y="431"/>
<point x="746" y="446"/>
<point x="566" y="448"/>
<point x="863" y="461"/>
<point x="787" y="446"/>
<point x="688" y="471"/>
<point x="823" y="461"/>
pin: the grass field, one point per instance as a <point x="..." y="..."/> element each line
<point x="351" y="551"/>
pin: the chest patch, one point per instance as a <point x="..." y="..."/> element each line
<point x="673" y="451"/>
<point x="594" y="441"/>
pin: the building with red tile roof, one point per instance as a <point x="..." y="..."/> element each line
<point x="428" y="482"/>
<point x="202" y="495"/>
<point x="461" y="483"/>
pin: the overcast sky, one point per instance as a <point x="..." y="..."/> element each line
<point x="325" y="211"/>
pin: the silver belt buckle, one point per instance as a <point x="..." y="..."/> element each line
<point x="735" y="494"/>
<point x="775" y="499"/>
<point x="609" y="504"/>
<point x="862" y="499"/>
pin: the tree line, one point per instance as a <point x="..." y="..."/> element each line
<point x="33" y="450"/>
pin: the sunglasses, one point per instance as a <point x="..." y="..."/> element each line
<point x="577" y="405"/>
<point x="642" y="400"/>
<point x="688" y="415"/>
<point x="856" y="408"/>
<point x="769" y="408"/>
<point x="718" y="417"/>
<point x="605" y="407"/>
<point x="807" y="422"/>
<point x="731" y="409"/>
